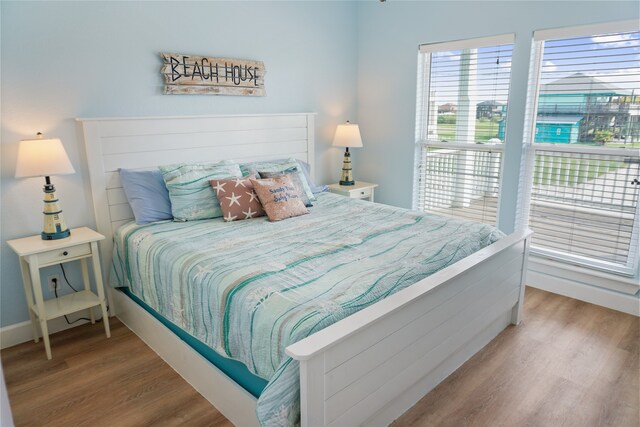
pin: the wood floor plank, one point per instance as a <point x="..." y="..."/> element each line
<point x="568" y="364"/>
<point x="95" y="381"/>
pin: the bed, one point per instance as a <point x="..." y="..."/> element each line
<point x="368" y="367"/>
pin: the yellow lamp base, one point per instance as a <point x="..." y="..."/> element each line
<point x="55" y="226"/>
<point x="347" y="174"/>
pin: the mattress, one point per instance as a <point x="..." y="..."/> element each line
<point x="248" y="289"/>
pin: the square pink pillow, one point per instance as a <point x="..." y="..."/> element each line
<point x="237" y="197"/>
<point x="279" y="197"/>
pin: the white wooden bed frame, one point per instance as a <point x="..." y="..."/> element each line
<point x="366" y="369"/>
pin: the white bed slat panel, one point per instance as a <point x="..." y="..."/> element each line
<point x="273" y="156"/>
<point x="311" y="154"/>
<point x="205" y="154"/>
<point x="516" y="312"/>
<point x="362" y="363"/>
<point x="463" y="309"/>
<point x="120" y="212"/>
<point x="406" y="397"/>
<point x="177" y="125"/>
<point x="467" y="325"/>
<point x="112" y="180"/>
<point x="340" y="354"/>
<point x="310" y="377"/>
<point x="145" y="143"/>
<point x="116" y="196"/>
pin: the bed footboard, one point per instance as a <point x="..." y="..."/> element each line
<point x="371" y="367"/>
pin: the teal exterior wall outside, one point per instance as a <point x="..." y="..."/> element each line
<point x="557" y="133"/>
<point x="553" y="103"/>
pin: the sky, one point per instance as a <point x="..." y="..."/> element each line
<point x="614" y="59"/>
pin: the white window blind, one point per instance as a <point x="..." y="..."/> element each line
<point x="463" y="89"/>
<point x="583" y="150"/>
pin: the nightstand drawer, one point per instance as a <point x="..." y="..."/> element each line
<point x="64" y="254"/>
<point x="360" y="190"/>
<point x="362" y="193"/>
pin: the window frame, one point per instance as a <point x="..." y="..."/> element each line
<point x="422" y="108"/>
<point x="530" y="147"/>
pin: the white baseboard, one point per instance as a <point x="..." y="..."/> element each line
<point x="21" y="332"/>
<point x="596" y="287"/>
<point x="580" y="274"/>
<point x="592" y="294"/>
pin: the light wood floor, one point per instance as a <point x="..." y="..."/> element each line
<point x="568" y="364"/>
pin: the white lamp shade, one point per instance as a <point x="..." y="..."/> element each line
<point x="347" y="135"/>
<point x="42" y="157"/>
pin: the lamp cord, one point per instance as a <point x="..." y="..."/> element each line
<point x="55" y="292"/>
<point x="64" y="274"/>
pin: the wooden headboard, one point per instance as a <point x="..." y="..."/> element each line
<point x="147" y="142"/>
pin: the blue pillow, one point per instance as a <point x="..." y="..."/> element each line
<point x="279" y="165"/>
<point x="147" y="195"/>
<point x="315" y="189"/>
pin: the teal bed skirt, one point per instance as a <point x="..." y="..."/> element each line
<point x="235" y="370"/>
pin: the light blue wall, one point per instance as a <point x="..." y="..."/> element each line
<point x="62" y="60"/>
<point x="388" y="37"/>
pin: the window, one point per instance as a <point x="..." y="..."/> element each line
<point x="582" y="192"/>
<point x="462" y="100"/>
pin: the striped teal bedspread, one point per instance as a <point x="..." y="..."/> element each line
<point x="250" y="288"/>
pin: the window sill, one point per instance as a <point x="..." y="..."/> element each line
<point x="578" y="273"/>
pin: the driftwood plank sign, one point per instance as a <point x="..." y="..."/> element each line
<point x="191" y="74"/>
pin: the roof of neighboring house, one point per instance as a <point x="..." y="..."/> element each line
<point x="561" y="119"/>
<point x="490" y="103"/>
<point x="580" y="83"/>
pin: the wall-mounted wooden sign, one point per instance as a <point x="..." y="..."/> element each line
<point x="191" y="74"/>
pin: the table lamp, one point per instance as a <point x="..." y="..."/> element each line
<point x="46" y="157"/>
<point x="347" y="135"/>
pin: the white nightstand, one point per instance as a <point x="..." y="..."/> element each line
<point x="36" y="253"/>
<point x="361" y="190"/>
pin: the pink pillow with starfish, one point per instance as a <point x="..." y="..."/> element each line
<point x="237" y="197"/>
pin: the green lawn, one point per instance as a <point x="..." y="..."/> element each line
<point x="554" y="170"/>
<point x="485" y="130"/>
<point x="622" y="145"/>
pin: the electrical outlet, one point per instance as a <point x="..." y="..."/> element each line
<point x="52" y="281"/>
